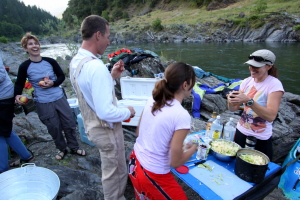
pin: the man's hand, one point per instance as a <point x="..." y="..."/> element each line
<point x="132" y="111"/>
<point x="117" y="69"/>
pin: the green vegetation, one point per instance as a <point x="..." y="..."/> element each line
<point x="117" y="14"/>
<point x="16" y="19"/>
<point x="116" y="8"/>
<point x="256" y="13"/>
<point x="3" y="40"/>
<point x="10" y="30"/>
<point x="260" y="6"/>
<point x="105" y="15"/>
<point x="296" y="28"/>
<point x="139" y="15"/>
<point x="156" y="25"/>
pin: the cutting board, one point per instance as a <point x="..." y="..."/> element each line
<point x="220" y="180"/>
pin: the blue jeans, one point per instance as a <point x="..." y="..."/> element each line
<point x="16" y="144"/>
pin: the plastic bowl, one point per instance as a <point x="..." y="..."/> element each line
<point x="222" y="157"/>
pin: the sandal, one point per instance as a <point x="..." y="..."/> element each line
<point x="17" y="163"/>
<point x="61" y="154"/>
<point x="31" y="158"/>
<point x="78" y="151"/>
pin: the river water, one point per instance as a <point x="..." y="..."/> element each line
<point x="223" y="59"/>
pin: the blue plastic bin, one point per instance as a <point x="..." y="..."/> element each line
<point x="83" y="136"/>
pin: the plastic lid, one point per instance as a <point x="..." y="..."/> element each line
<point x="182" y="169"/>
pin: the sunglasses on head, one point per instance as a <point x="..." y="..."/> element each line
<point x="258" y="58"/>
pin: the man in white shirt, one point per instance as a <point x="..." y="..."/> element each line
<point x="94" y="86"/>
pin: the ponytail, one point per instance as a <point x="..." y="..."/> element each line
<point x="273" y="71"/>
<point x="175" y="75"/>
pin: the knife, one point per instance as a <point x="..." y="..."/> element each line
<point x="197" y="163"/>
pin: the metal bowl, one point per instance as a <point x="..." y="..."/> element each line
<point x="29" y="182"/>
<point x="222" y="157"/>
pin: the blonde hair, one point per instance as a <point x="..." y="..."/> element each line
<point x="27" y="37"/>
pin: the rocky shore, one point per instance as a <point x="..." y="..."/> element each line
<point x="276" y="27"/>
<point x="81" y="176"/>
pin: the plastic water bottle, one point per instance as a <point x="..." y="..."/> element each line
<point x="209" y="122"/>
<point x="216" y="128"/>
<point x="229" y="130"/>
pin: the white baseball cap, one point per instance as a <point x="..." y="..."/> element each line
<point x="261" y="58"/>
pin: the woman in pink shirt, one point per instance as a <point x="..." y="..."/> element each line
<point x="163" y="126"/>
<point x="261" y="94"/>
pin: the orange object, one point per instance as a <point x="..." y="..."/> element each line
<point x="119" y="52"/>
<point x="127" y="120"/>
<point x="28" y="85"/>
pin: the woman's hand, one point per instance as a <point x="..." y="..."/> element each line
<point x="48" y="84"/>
<point x="178" y="157"/>
<point x="237" y="98"/>
<point x="234" y="100"/>
<point x="19" y="99"/>
<point x="189" y="145"/>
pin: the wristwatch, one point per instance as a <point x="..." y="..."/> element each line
<point x="250" y="103"/>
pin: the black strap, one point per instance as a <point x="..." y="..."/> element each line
<point x="291" y="162"/>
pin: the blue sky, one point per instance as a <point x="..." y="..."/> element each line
<point x="55" y="7"/>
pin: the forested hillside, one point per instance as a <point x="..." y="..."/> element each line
<point x="16" y="18"/>
<point x="117" y="9"/>
<point x="142" y="13"/>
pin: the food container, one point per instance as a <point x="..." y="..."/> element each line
<point x="202" y="151"/>
<point x="250" y="172"/>
<point x="29" y="182"/>
<point x="225" y="157"/>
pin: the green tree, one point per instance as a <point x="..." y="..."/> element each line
<point x="21" y="18"/>
<point x="99" y="7"/>
<point x="3" y="40"/>
<point x="156" y="25"/>
<point x="10" y="30"/>
<point x="260" y="6"/>
<point x="104" y="14"/>
<point x="117" y="13"/>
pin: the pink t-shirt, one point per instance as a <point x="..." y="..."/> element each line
<point x="152" y="147"/>
<point x="250" y="123"/>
